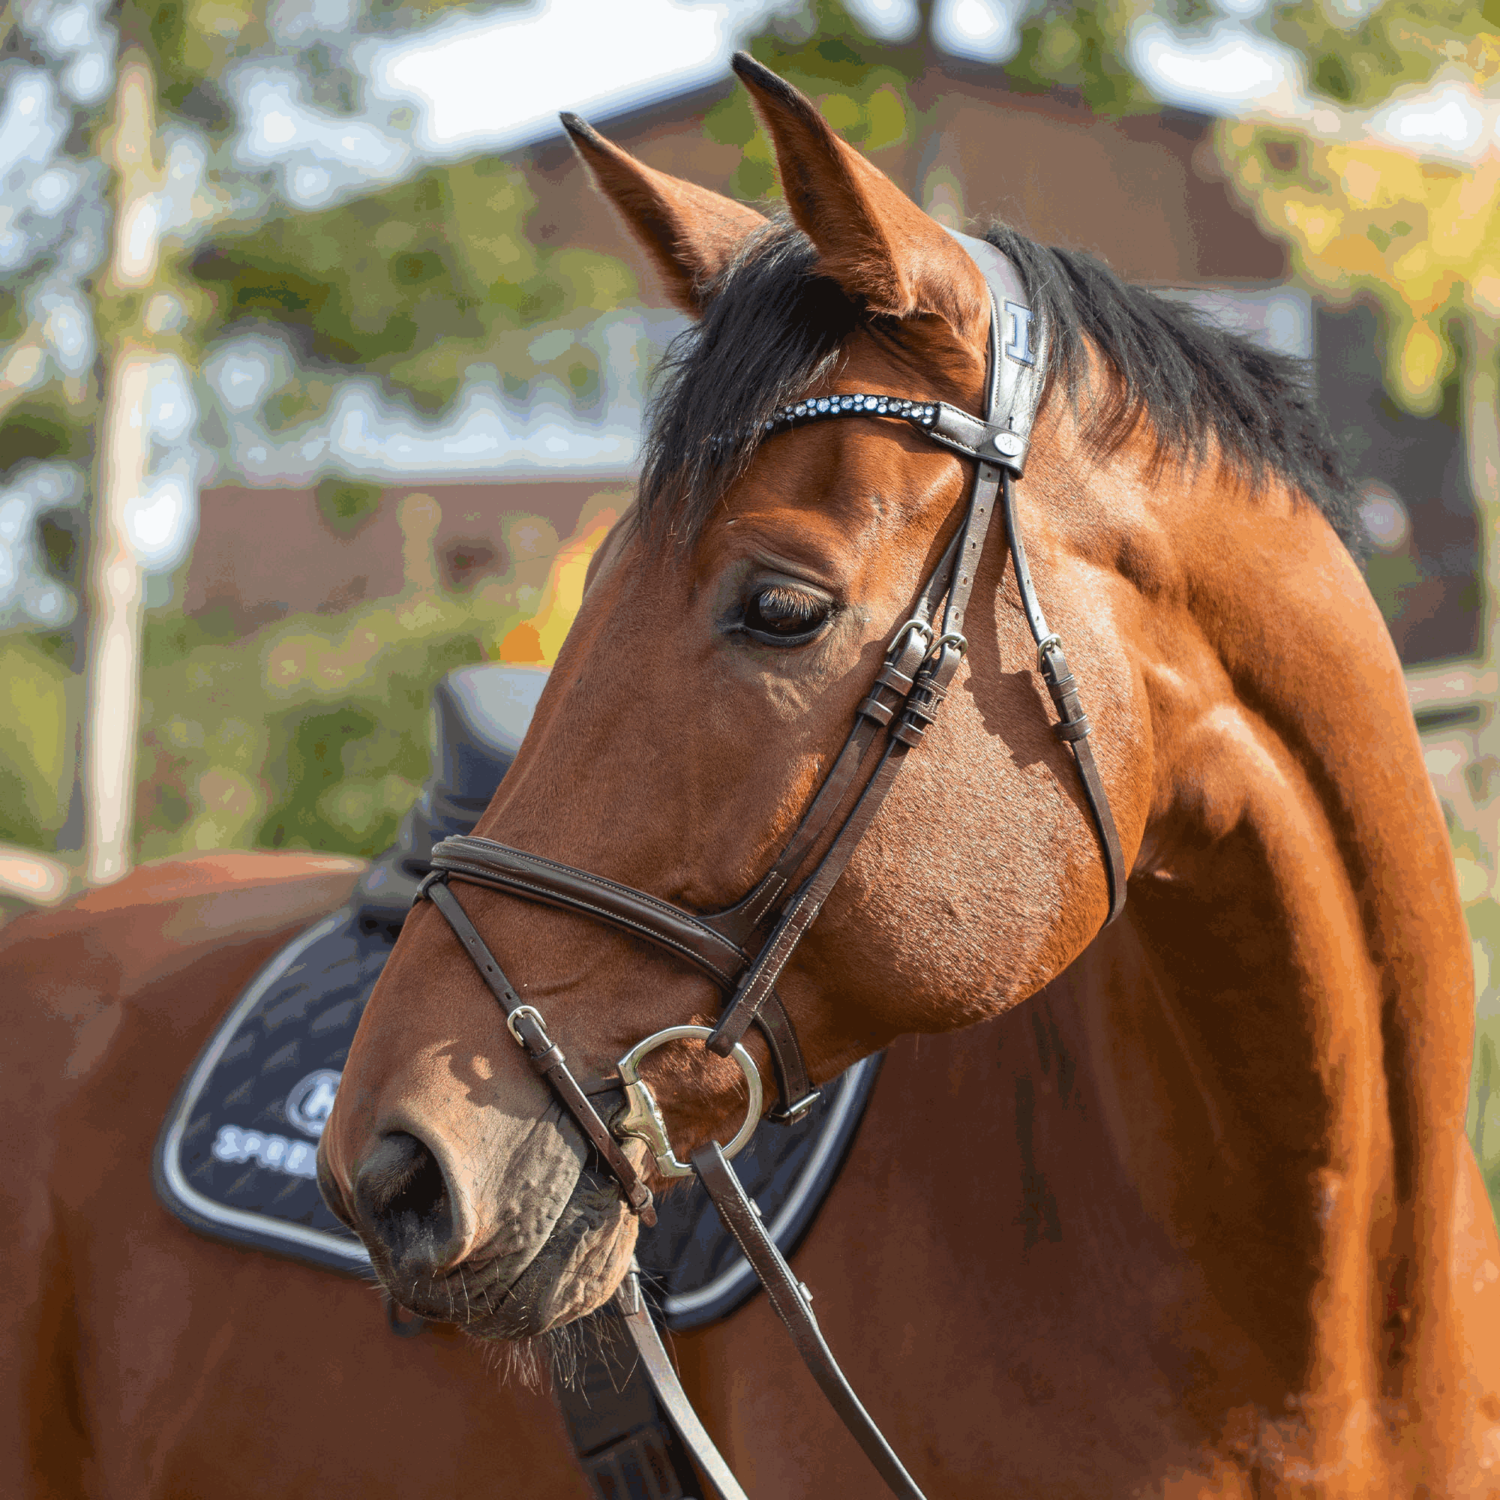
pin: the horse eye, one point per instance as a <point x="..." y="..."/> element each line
<point x="785" y="615"/>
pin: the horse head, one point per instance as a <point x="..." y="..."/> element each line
<point x="733" y="623"/>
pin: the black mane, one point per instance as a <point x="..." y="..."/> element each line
<point x="773" y="329"/>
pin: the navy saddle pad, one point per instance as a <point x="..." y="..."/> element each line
<point x="236" y="1158"/>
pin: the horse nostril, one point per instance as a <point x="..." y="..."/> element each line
<point x="402" y="1198"/>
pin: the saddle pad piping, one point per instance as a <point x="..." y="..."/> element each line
<point x="219" y="1219"/>
<point x="686" y="1310"/>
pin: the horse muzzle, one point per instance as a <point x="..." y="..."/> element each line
<point x="505" y="1244"/>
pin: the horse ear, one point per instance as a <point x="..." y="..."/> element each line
<point x="872" y="239"/>
<point x="690" y="233"/>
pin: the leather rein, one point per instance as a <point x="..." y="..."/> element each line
<point x="744" y="949"/>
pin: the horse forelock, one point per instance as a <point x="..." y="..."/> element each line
<point x="1129" y="360"/>
<point x="771" y="328"/>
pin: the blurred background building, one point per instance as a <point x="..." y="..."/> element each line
<point x="322" y="370"/>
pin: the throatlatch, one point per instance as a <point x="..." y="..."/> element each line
<point x="905" y="698"/>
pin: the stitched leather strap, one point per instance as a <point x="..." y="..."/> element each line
<point x="795" y="1093"/>
<point x="485" y="862"/>
<point x="545" y="880"/>
<point x="657" y="1364"/>
<point x="1073" y="726"/>
<point x="525" y="1024"/>
<point x="802" y="910"/>
<point x="790" y="1300"/>
<point x="893" y="683"/>
<point x="624" y="1439"/>
<point x="981" y="512"/>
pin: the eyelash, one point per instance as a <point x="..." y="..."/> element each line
<point x="779" y="606"/>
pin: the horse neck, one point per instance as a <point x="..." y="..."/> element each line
<point x="1283" y="1025"/>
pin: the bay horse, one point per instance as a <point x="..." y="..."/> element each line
<point x="1179" y="1207"/>
<point x="140" y="1361"/>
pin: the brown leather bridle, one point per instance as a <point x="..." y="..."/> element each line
<point x="744" y="949"/>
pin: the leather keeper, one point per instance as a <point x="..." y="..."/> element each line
<point x="925" y="702"/>
<point x="891" y="676"/>
<point x="921" y="710"/>
<point x="544" y="1062"/>
<point x="1067" y="703"/>
<point x="1064" y="692"/>
<point x="1074" y="729"/>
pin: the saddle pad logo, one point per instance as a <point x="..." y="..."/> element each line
<point x="310" y="1102"/>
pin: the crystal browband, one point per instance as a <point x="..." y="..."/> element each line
<point x="919" y="413"/>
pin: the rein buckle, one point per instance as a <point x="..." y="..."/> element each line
<point x="795" y="1113"/>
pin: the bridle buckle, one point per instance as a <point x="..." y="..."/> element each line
<point x="536" y="1016"/>
<point x="920" y="627"/>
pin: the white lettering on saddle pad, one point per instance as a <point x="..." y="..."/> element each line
<point x="274" y="1152"/>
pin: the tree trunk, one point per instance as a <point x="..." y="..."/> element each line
<point x="117" y="597"/>
<point x="116" y="583"/>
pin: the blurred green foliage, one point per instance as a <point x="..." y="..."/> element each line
<point x="192" y="42"/>
<point x="1484" y="1093"/>
<point x="1482" y="912"/>
<point x="346" y="504"/>
<point x="44" y="425"/>
<point x="829" y="58"/>
<point x="38" y="698"/>
<point x="1351" y="58"/>
<point x="417" y="284"/>
<point x="312" y="733"/>
<point x="1359" y="60"/>
<point x="1080" y="49"/>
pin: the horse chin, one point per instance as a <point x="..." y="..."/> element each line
<point x="574" y="1271"/>
<point x="578" y="1267"/>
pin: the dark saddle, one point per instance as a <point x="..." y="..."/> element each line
<point x="236" y="1156"/>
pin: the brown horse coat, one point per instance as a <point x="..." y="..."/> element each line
<point x="1201" y="1217"/>
<point x="139" y="1361"/>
